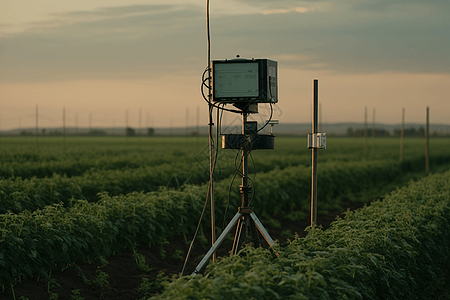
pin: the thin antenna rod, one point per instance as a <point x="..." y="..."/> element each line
<point x="211" y="139"/>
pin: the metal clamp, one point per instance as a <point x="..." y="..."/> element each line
<point x="317" y="140"/>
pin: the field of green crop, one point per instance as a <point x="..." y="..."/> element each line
<point x="64" y="200"/>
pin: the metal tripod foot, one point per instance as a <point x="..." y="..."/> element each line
<point x="237" y="217"/>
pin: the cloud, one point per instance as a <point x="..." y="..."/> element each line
<point x="288" y="10"/>
<point x="144" y="41"/>
<point x="388" y="5"/>
<point x="117" y="11"/>
<point x="111" y="43"/>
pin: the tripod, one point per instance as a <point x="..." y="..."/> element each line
<point x="246" y="220"/>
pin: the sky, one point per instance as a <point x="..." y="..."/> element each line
<point x="139" y="63"/>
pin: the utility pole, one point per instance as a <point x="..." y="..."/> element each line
<point x="402" y="135"/>
<point x="187" y="121"/>
<point x="90" y="122"/>
<point x="373" y="130"/>
<point x="76" y="123"/>
<point x="126" y="122"/>
<point x="140" y="121"/>
<point x="198" y="120"/>
<point x="64" y="122"/>
<point x="37" y="122"/>
<point x="365" y="132"/>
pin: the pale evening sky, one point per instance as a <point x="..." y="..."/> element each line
<point x="102" y="58"/>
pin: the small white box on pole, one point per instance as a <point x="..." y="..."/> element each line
<point x="317" y="140"/>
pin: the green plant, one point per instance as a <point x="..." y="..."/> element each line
<point x="80" y="207"/>
<point x="162" y="251"/>
<point x="103" y="261"/>
<point x="80" y="274"/>
<point x="145" y="286"/>
<point x="54" y="296"/>
<point x="392" y="249"/>
<point x="51" y="282"/>
<point x="75" y="295"/>
<point x="177" y="255"/>
<point x="101" y="279"/>
<point x="140" y="261"/>
<point x="156" y="286"/>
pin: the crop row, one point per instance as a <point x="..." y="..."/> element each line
<point x="392" y="249"/>
<point x="17" y="194"/>
<point x="35" y="242"/>
<point x="27" y="159"/>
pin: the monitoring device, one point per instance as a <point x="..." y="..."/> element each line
<point x="317" y="140"/>
<point x="245" y="80"/>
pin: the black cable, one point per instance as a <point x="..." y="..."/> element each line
<point x="270" y="118"/>
<point x="253" y="182"/>
<point x="229" y="190"/>
<point x="196" y="231"/>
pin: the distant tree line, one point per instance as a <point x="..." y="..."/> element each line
<point x="93" y="132"/>
<point x="132" y="132"/>
<point x="408" y="132"/>
<point x="360" y="132"/>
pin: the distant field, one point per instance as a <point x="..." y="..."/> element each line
<point x="88" y="197"/>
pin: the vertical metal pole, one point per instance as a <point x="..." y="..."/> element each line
<point x="314" y="155"/>
<point x="211" y="177"/>
<point x="402" y="135"/>
<point x="244" y="165"/>
<point x="427" y="164"/>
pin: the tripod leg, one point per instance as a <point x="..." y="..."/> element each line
<point x="255" y="235"/>
<point x="218" y="242"/>
<point x="261" y="229"/>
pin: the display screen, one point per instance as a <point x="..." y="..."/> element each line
<point x="236" y="80"/>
